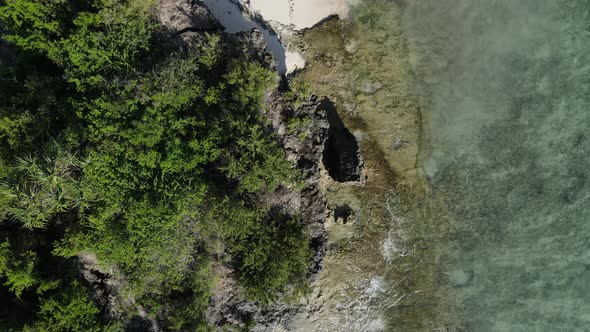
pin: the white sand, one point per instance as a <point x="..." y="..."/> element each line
<point x="300" y="14"/>
<point x="293" y="61"/>
<point x="272" y="10"/>
<point x="296" y="14"/>
<point x="233" y="20"/>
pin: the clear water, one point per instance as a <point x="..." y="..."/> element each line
<point x="506" y="93"/>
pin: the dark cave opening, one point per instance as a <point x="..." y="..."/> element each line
<point x="341" y="153"/>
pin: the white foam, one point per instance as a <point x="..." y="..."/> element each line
<point x="293" y="61"/>
<point x="388" y="249"/>
<point x="376" y="286"/>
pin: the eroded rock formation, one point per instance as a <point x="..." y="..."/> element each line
<point x="341" y="156"/>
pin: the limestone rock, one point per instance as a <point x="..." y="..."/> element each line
<point x="186" y="15"/>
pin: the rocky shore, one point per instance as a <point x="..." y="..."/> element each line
<point x="312" y="134"/>
<point x="314" y="138"/>
<point x="358" y="151"/>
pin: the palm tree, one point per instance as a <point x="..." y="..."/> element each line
<point x="37" y="189"/>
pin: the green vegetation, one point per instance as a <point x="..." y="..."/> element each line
<point x="270" y="253"/>
<point x="149" y="158"/>
<point x="299" y="92"/>
<point x="299" y="125"/>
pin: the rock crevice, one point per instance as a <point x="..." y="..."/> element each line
<point x="341" y="156"/>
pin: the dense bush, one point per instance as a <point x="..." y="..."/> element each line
<point x="107" y="148"/>
<point x="269" y="248"/>
<point x="269" y="255"/>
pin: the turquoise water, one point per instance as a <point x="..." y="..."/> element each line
<point x="506" y="91"/>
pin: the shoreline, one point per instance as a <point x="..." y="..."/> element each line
<point x="375" y="266"/>
<point x="298" y="15"/>
<point x="383" y="273"/>
<point x="373" y="98"/>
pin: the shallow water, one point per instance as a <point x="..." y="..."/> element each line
<point x="506" y="94"/>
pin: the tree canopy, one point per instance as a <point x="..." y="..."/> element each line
<point x="148" y="157"/>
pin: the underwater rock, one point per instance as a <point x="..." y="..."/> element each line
<point x="351" y="46"/>
<point x="370" y="88"/>
<point x="398" y="142"/>
<point x="460" y="278"/>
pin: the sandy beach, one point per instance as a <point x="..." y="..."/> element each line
<point x="299" y="14"/>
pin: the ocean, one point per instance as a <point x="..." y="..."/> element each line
<point x="505" y="93"/>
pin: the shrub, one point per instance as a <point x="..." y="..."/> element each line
<point x="149" y="147"/>
<point x="269" y="249"/>
<point x="69" y="310"/>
